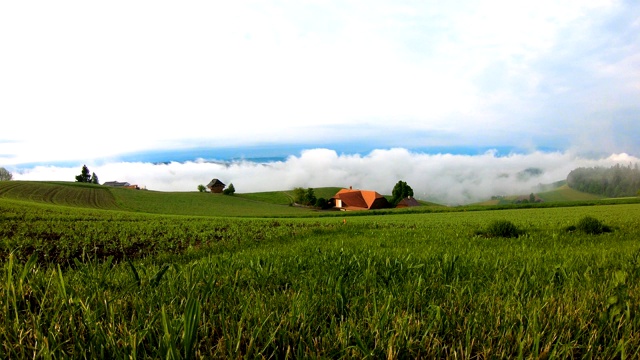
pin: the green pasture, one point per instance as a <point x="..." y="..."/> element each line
<point x="59" y="193"/>
<point x="200" y="204"/>
<point x="124" y="281"/>
<point x="565" y="193"/>
<point x="154" y="202"/>
<point x="562" y="193"/>
<point x="287" y="197"/>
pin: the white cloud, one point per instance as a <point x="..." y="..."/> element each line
<point x="82" y="80"/>
<point x="445" y="178"/>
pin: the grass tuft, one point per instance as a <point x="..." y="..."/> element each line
<point x="501" y="228"/>
<point x="592" y="226"/>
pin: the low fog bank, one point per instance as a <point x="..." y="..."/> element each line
<point x="443" y="178"/>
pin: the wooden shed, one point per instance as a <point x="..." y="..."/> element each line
<point x="216" y="186"/>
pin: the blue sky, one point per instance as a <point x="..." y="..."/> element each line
<point x="96" y="83"/>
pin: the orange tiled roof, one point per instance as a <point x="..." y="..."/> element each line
<point x="358" y="199"/>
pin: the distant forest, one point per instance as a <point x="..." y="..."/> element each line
<point x="615" y="181"/>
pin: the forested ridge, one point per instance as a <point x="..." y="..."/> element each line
<point x="615" y="181"/>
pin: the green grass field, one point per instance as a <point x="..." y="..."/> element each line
<point x="60" y="193"/>
<point x="113" y="277"/>
<point x="154" y="202"/>
<point x="562" y="193"/>
<point x="565" y="193"/>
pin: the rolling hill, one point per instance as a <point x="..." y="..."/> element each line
<point x="273" y="203"/>
<point x="565" y="193"/>
<point x="60" y="193"/>
<point x="558" y="192"/>
<point x="261" y="204"/>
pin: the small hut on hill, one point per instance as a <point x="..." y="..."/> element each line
<point x="216" y="186"/>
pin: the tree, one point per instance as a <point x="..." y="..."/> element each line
<point x="94" y="179"/>
<point x="532" y="198"/>
<point x="400" y="191"/>
<point x="322" y="203"/>
<point x="304" y="197"/>
<point x="230" y="190"/>
<point x="202" y="188"/>
<point x="5" y="175"/>
<point x="84" y="176"/>
<point x="298" y="195"/>
<point x="310" y="197"/>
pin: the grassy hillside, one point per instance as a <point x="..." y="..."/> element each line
<point x="80" y="283"/>
<point x="60" y="193"/>
<point x="263" y="204"/>
<point x="560" y="193"/>
<point x="202" y="204"/>
<point x="565" y="193"/>
<point x="175" y="203"/>
<point x="286" y="197"/>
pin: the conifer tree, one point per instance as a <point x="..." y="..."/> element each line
<point x="84" y="176"/>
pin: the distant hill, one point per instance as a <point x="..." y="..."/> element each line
<point x="616" y="181"/>
<point x="556" y="192"/>
<point x="565" y="193"/>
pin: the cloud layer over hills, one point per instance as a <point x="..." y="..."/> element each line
<point x="444" y="178"/>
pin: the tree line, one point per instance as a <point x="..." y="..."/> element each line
<point x="616" y="181"/>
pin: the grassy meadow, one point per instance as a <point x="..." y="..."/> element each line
<point x="135" y="274"/>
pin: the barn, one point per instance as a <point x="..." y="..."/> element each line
<point x="216" y="186"/>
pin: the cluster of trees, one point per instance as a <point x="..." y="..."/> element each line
<point x="84" y="176"/>
<point x="5" y="175"/>
<point x="400" y="191"/>
<point x="532" y="199"/>
<point x="615" y="181"/>
<point x="308" y="198"/>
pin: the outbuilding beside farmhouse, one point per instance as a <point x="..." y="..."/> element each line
<point x="216" y="186"/>
<point x="409" y="201"/>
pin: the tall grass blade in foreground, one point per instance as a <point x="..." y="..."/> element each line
<point x="191" y="323"/>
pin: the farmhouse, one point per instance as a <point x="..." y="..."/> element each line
<point x="350" y="199"/>
<point x="119" y="184"/>
<point x="216" y="186"/>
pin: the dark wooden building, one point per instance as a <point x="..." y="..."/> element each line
<point x="216" y="186"/>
